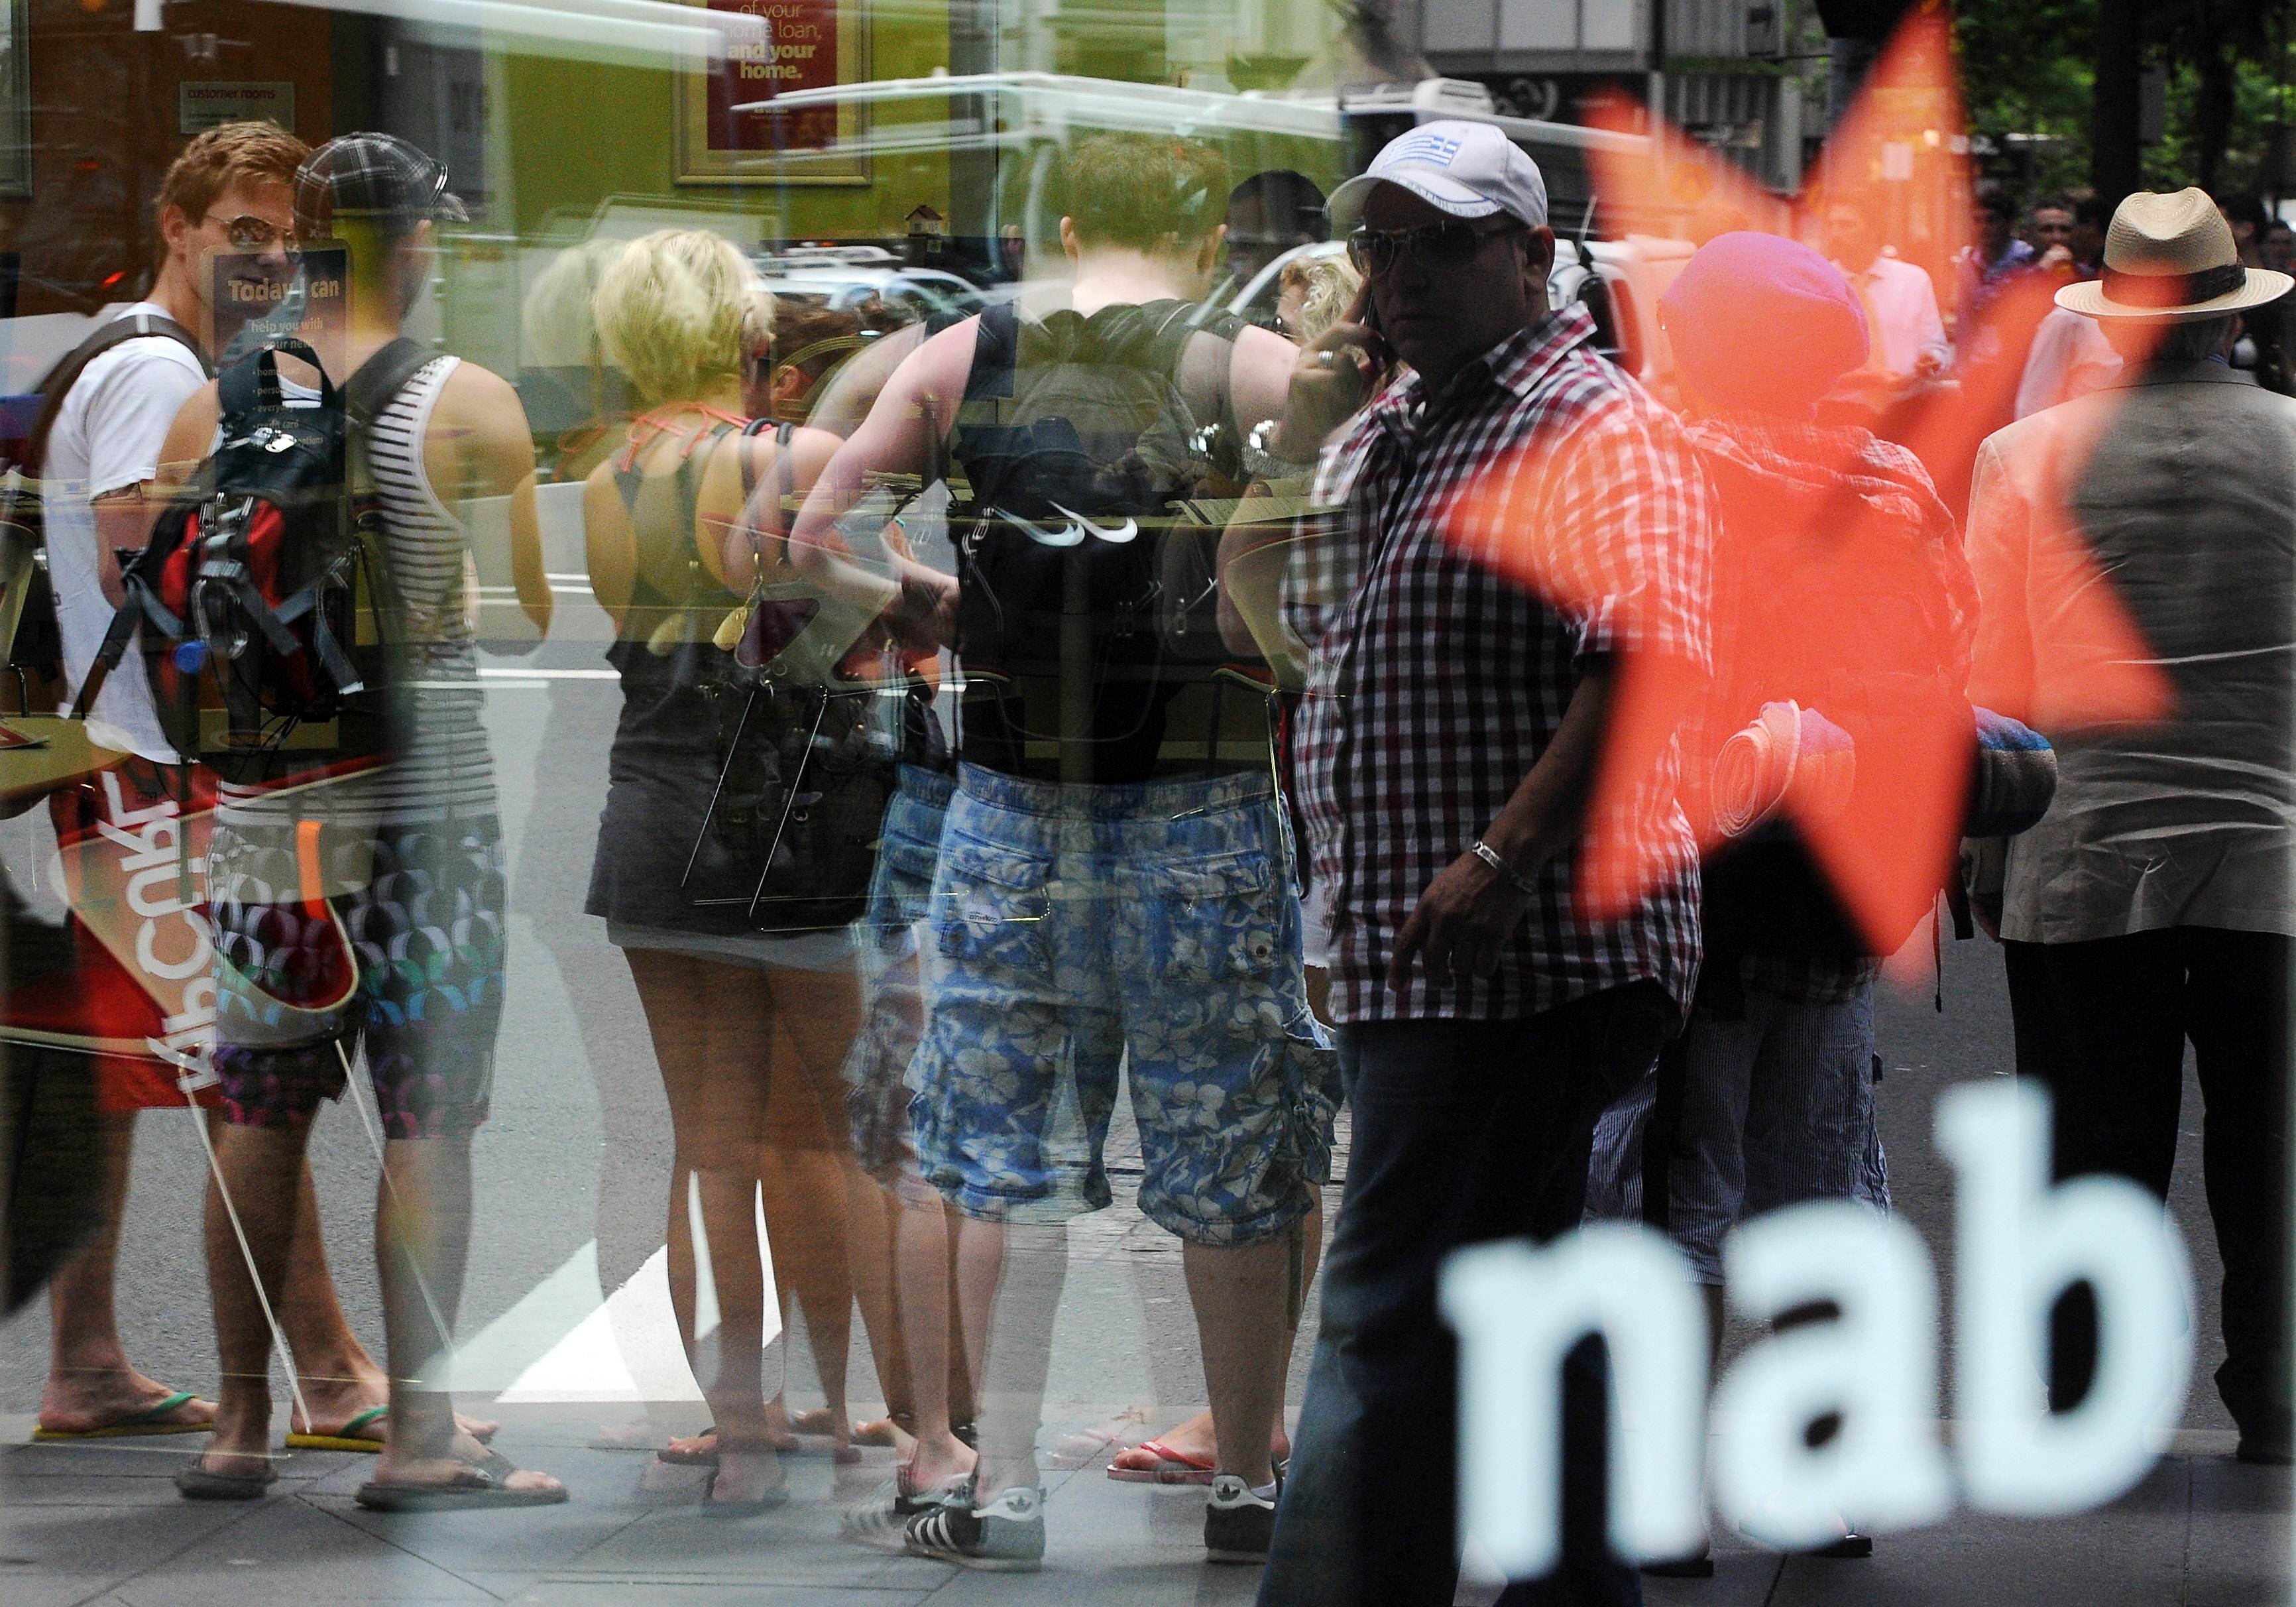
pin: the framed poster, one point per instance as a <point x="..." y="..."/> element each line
<point x="810" y="44"/>
<point x="15" y="99"/>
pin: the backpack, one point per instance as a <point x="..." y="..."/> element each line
<point x="28" y="607"/>
<point x="1873" y="636"/>
<point x="1081" y="449"/>
<point x="259" y="600"/>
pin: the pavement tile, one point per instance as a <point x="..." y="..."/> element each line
<point x="42" y="1588"/>
<point x="104" y="1541"/>
<point x="1741" y="1579"/>
<point x="557" y="1592"/>
<point x="1066" y="1578"/>
<point x="2239" y="1554"/>
<point x="2130" y="1554"/>
<point x="292" y="1550"/>
<point x="523" y="1537"/>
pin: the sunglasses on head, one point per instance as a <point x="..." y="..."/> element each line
<point x="254" y="234"/>
<point x="1438" y="245"/>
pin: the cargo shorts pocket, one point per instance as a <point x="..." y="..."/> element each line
<point x="1212" y="921"/>
<point x="1311" y="1093"/>
<point x="992" y="907"/>
<point x="902" y="890"/>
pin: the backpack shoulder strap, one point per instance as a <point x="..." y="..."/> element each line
<point x="784" y="464"/>
<point x="59" y="379"/>
<point x="1187" y="321"/>
<point x="786" y="473"/>
<point x="995" y="352"/>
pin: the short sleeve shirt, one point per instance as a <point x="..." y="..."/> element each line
<point x="107" y="435"/>
<point x="1441" y="674"/>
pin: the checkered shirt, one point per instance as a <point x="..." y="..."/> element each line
<point x="1437" y="681"/>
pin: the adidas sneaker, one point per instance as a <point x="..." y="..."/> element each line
<point x="1007" y="1535"/>
<point x="1238" y="1523"/>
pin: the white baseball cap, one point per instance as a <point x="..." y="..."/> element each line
<point x="1464" y="170"/>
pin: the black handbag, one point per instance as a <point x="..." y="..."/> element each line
<point x="811" y="762"/>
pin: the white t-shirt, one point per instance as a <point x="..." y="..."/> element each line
<point x="107" y="435"/>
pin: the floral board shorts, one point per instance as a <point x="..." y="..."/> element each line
<point x="424" y="917"/>
<point x="1074" y="931"/>
<point x="893" y="984"/>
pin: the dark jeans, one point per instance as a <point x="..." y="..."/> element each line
<point x="2103" y="1024"/>
<point x="1464" y="1132"/>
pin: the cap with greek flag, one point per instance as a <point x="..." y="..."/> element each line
<point x="1460" y="169"/>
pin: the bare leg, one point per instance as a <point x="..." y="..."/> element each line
<point x="873" y="1238"/>
<point x="804" y="1200"/>
<point x="1238" y="1292"/>
<point x="712" y="1027"/>
<point x="253" y="1195"/>
<point x="843" y="1244"/>
<point x="1009" y="1281"/>
<point x="729" y="1364"/>
<point x="1196" y="1437"/>
<point x="422" y="1246"/>
<point x="91" y="1384"/>
<point x="925" y="1248"/>
<point x="337" y="1376"/>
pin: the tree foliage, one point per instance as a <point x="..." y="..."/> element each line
<point x="2026" y="71"/>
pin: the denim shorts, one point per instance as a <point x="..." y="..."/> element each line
<point x="424" y="917"/>
<point x="1074" y="931"/>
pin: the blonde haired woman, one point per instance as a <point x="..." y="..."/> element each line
<point x="731" y="1011"/>
<point x="1311" y="293"/>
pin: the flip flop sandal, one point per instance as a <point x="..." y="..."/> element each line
<point x="196" y="1483"/>
<point x="474" y="1486"/>
<point x="674" y="1457"/>
<point x="134" y="1426"/>
<point x="1172" y="1467"/>
<point x="351" y="1439"/>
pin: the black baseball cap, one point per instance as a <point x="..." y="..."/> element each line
<point x="372" y="176"/>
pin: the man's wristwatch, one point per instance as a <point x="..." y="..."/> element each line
<point x="1489" y="855"/>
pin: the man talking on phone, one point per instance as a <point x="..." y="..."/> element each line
<point x="1460" y="700"/>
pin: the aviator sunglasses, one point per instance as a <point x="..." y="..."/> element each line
<point x="248" y="233"/>
<point x="1441" y="245"/>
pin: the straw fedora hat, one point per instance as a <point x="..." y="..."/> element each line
<point x="2171" y="257"/>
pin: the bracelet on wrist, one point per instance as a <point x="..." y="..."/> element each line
<point x="1506" y="873"/>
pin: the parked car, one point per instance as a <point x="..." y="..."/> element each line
<point x="842" y="275"/>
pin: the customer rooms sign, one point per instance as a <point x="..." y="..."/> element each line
<point x="201" y="106"/>
<point x="2019" y="1242"/>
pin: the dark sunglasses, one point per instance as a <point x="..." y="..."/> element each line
<point x="254" y="234"/>
<point x="1441" y="245"/>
